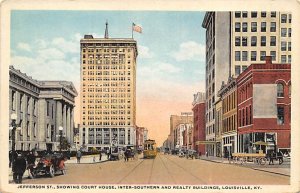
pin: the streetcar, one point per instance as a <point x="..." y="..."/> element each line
<point x="150" y="150"/>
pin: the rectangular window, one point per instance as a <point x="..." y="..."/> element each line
<point x="244" y="55"/>
<point x="283" y="18"/>
<point x="245" y="26"/>
<point x="280" y="115"/>
<point x="273" y="27"/>
<point x="273" y="55"/>
<point x="237" y="70"/>
<point x="244" y="41"/>
<point x="245" y="14"/>
<point x="273" y="41"/>
<point x="289" y="46"/>
<point x="244" y="67"/>
<point x="253" y="40"/>
<point x="237" y="41"/>
<point x="263" y="14"/>
<point x="283" y="58"/>
<point x="283" y="32"/>
<point x="262" y="55"/>
<point x="273" y="13"/>
<point x="253" y="55"/>
<point x="237" y="56"/>
<point x="237" y="14"/>
<point x="290" y="18"/>
<point x="263" y="41"/>
<point x="289" y="58"/>
<point x="283" y="46"/>
<point x="263" y="27"/>
<point x="290" y="32"/>
<point x="253" y="26"/>
<point x="253" y="14"/>
<point x="237" y="27"/>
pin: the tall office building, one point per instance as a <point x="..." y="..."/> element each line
<point x="234" y="40"/>
<point x="108" y="91"/>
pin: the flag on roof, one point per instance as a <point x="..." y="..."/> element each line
<point x="136" y="28"/>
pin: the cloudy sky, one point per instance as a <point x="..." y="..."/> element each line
<point x="170" y="64"/>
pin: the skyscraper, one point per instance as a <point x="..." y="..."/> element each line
<point x="108" y="91"/>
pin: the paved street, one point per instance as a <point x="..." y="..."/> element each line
<point x="165" y="169"/>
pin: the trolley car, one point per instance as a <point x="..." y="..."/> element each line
<point x="150" y="150"/>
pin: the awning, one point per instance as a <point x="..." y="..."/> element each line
<point x="261" y="143"/>
<point x="227" y="145"/>
<point x="205" y="142"/>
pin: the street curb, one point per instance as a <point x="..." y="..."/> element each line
<point x="258" y="169"/>
<point x="271" y="172"/>
<point x="90" y="162"/>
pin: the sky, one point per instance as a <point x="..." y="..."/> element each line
<point x="170" y="62"/>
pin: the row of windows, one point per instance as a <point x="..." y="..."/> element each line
<point x="113" y="95"/>
<point x="243" y="41"/>
<point x="245" y="116"/>
<point x="106" y="84"/>
<point x="243" y="27"/>
<point x="107" y="73"/>
<point x="244" y="56"/>
<point x="105" y="61"/>
<point x="107" y="111"/>
<point x="22" y="103"/>
<point x="254" y="14"/>
<point x="229" y="124"/>
<point x="113" y="50"/>
<point x="106" y="123"/>
<point x="106" y="78"/>
<point x="113" y="67"/>
<point x="229" y="102"/>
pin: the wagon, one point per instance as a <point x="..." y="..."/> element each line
<point x="259" y="158"/>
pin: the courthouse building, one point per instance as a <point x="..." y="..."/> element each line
<point x="108" y="91"/>
<point x="264" y="107"/>
<point x="41" y="108"/>
<point x="234" y="40"/>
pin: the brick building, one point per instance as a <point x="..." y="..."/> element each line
<point x="199" y="122"/>
<point x="264" y="107"/>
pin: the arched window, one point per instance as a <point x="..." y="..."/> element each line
<point x="279" y="90"/>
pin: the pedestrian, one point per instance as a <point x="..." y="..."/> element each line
<point x="272" y="155"/>
<point x="100" y="155"/>
<point x="206" y="153"/>
<point x="107" y="153"/>
<point x="19" y="167"/>
<point x="78" y="156"/>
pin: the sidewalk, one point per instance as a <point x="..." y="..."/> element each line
<point x="283" y="169"/>
<point x="89" y="159"/>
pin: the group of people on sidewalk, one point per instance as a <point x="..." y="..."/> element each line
<point x="18" y="161"/>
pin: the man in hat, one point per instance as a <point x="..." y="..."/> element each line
<point x="19" y="167"/>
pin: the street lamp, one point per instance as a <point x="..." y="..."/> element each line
<point x="60" y="128"/>
<point x="13" y="136"/>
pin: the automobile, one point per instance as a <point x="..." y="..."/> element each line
<point x="181" y="154"/>
<point x="49" y="165"/>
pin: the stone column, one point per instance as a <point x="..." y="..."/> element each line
<point x="59" y="120"/>
<point x="64" y="118"/>
<point x="68" y="128"/>
<point x="72" y="125"/>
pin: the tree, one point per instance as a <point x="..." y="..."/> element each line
<point x="65" y="145"/>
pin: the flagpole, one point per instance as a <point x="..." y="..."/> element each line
<point x="132" y="31"/>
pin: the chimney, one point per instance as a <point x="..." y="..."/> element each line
<point x="268" y="59"/>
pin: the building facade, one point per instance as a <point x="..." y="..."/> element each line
<point x="41" y="108"/>
<point x="264" y="107"/>
<point x="140" y="137"/>
<point x="108" y="87"/>
<point x="234" y="40"/>
<point x="199" y="122"/>
<point x="175" y="121"/>
<point x="228" y="96"/>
